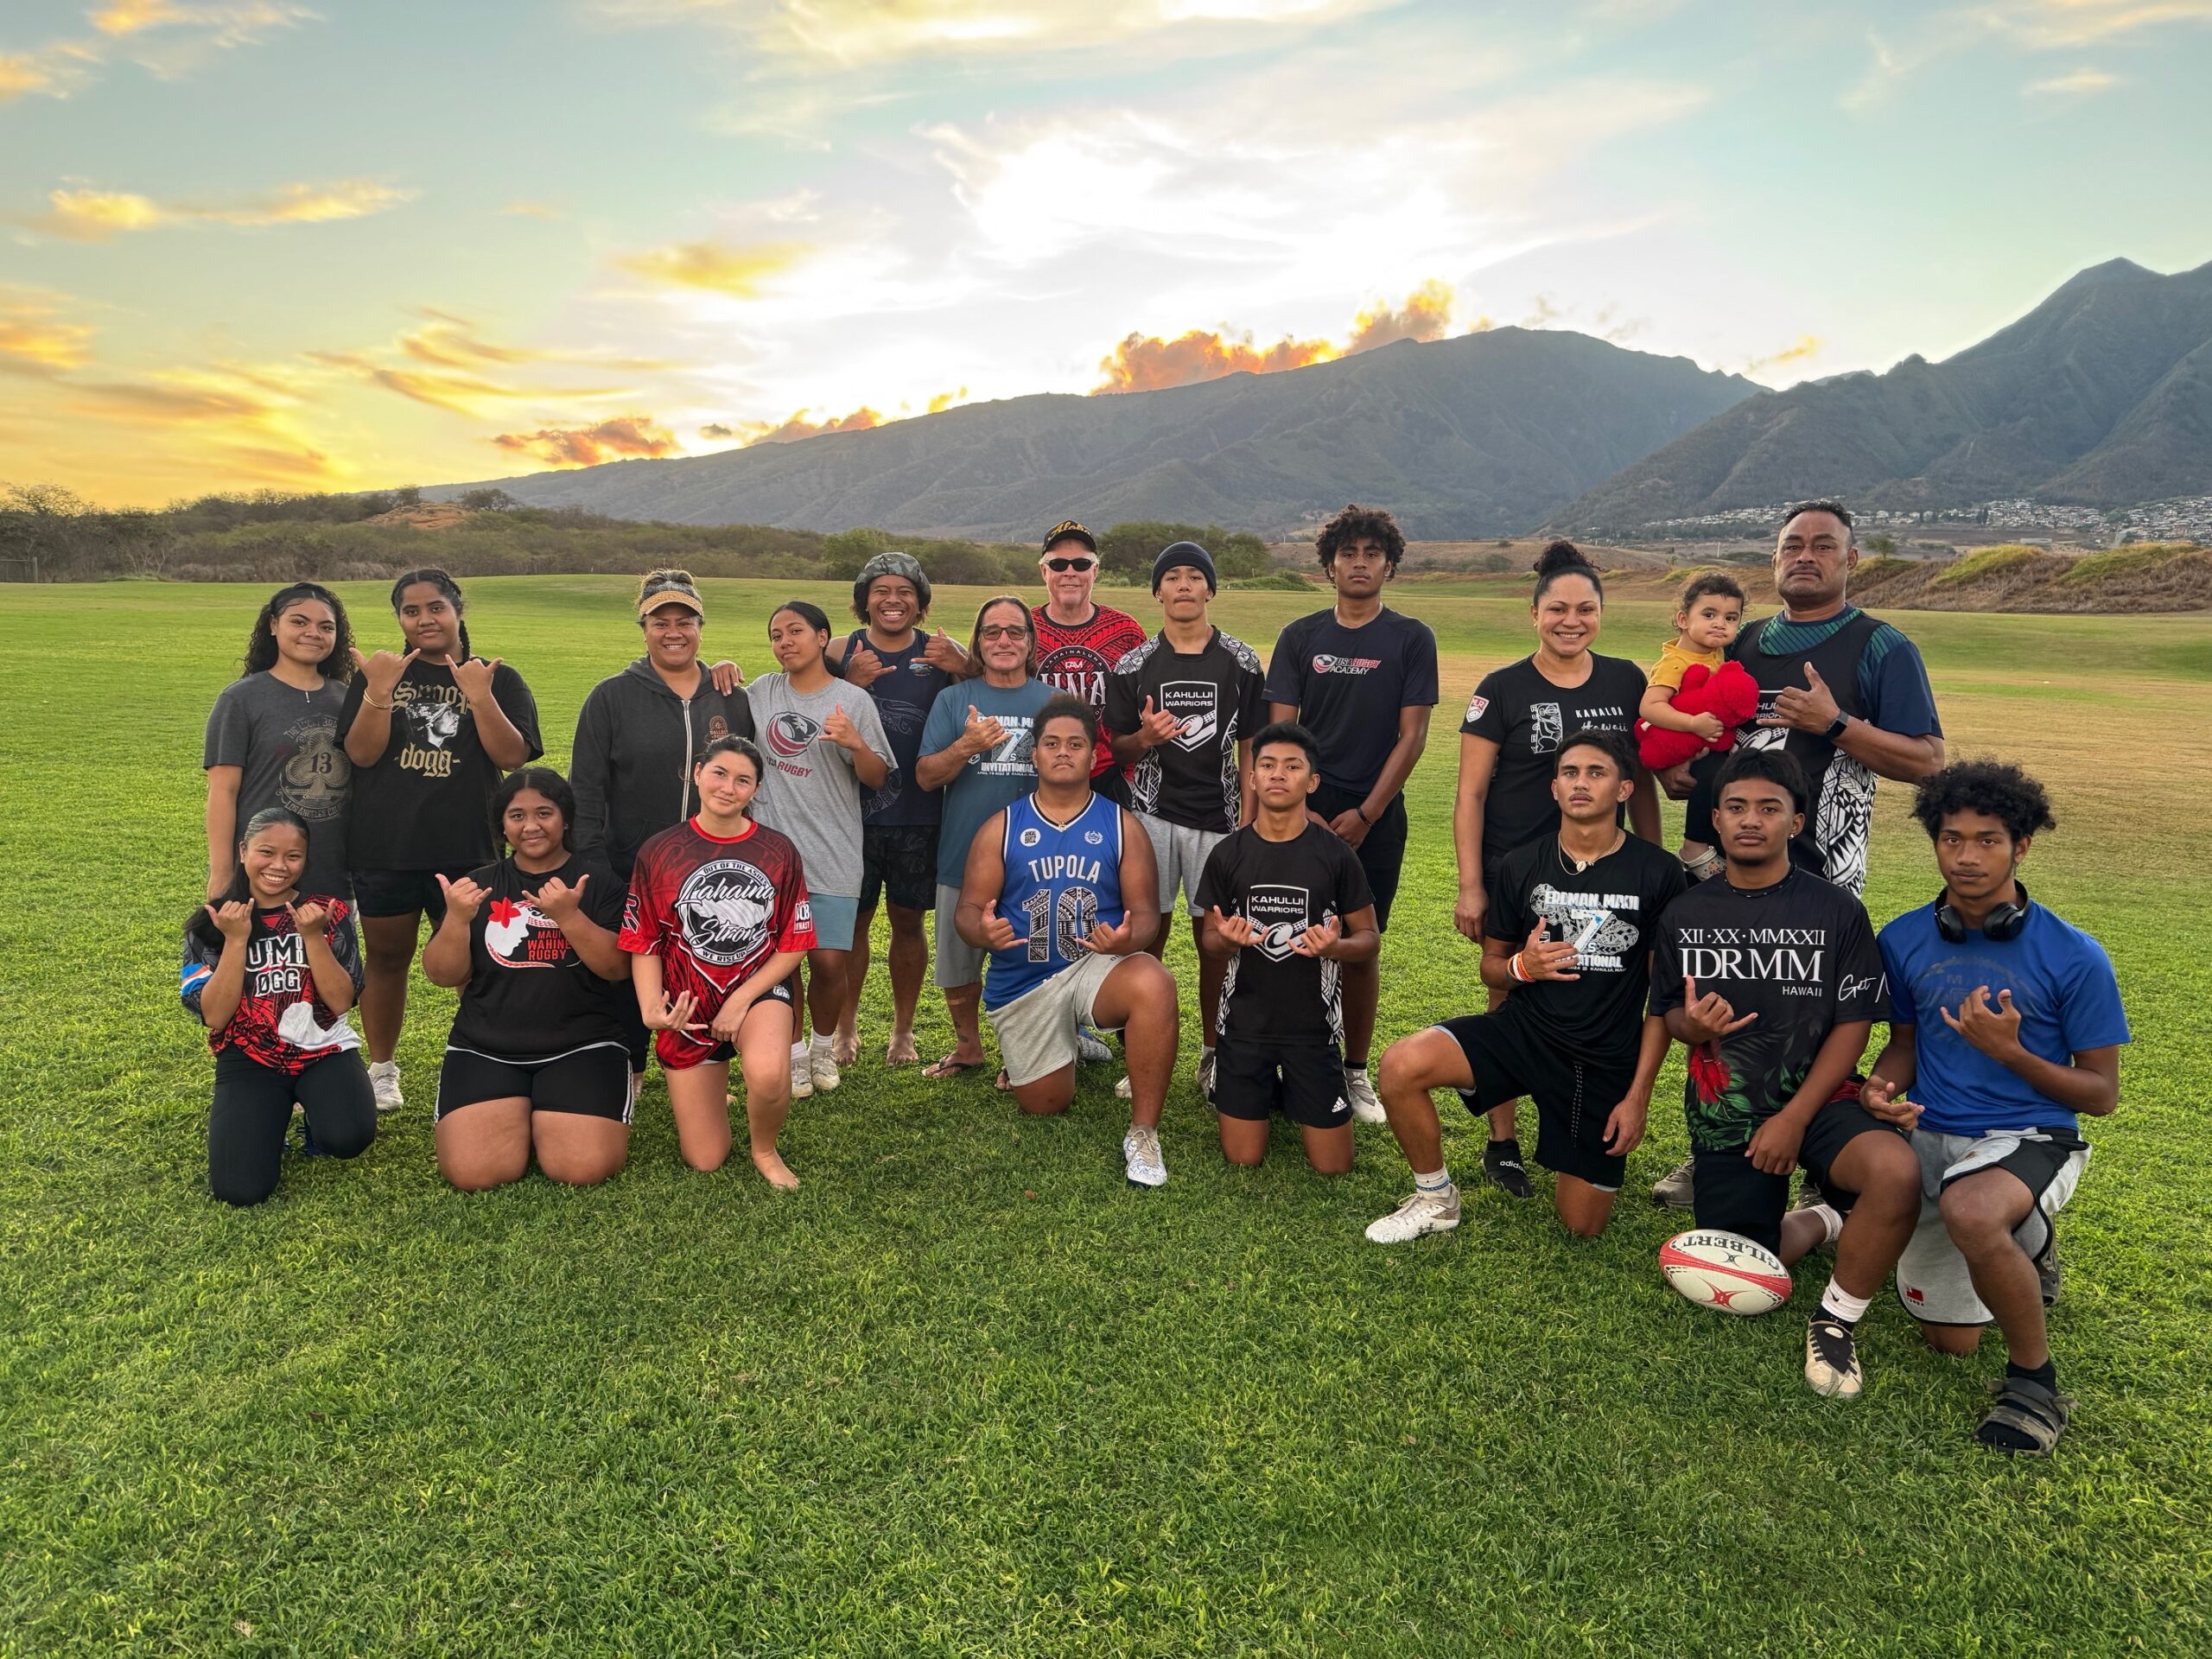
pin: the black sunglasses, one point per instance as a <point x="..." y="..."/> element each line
<point x="1070" y="564"/>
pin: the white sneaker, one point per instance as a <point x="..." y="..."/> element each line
<point x="384" y="1078"/>
<point x="1140" y="1157"/>
<point x="823" y="1067"/>
<point x="802" y="1078"/>
<point x="1424" y="1212"/>
<point x="1089" y="1048"/>
<point x="1366" y="1104"/>
<point x="1122" y="1089"/>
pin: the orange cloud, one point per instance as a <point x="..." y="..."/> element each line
<point x="33" y="342"/>
<point x="741" y="271"/>
<point x="588" y="446"/>
<point x="93" y="215"/>
<point x="1426" y="314"/>
<point x="798" y="425"/>
<point x="1147" y="362"/>
<point x="55" y="71"/>
<point x="1805" y="345"/>
<point x="946" y="400"/>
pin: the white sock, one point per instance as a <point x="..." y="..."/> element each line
<point x="798" y="1050"/>
<point x="1831" y="1221"/>
<point x="1437" y="1182"/>
<point x="1839" y="1304"/>
<point x="821" y="1045"/>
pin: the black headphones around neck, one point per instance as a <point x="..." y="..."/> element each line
<point x="2000" y="926"/>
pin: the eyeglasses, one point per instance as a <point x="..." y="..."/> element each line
<point x="1004" y="630"/>
<point x="1059" y="565"/>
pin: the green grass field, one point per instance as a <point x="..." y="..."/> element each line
<point x="967" y="1392"/>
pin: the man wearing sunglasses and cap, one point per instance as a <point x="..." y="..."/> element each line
<point x="1079" y="643"/>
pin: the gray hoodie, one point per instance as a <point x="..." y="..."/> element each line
<point x="631" y="764"/>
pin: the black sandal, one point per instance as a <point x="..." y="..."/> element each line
<point x="2029" y="1409"/>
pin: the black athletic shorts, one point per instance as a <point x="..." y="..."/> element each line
<point x="401" y="892"/>
<point x="1734" y="1195"/>
<point x="679" y="1051"/>
<point x="1575" y="1093"/>
<point x="591" y="1082"/>
<point x="1382" y="853"/>
<point x="1303" y="1081"/>
<point x="900" y="859"/>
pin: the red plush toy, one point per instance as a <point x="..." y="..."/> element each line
<point x="1728" y="692"/>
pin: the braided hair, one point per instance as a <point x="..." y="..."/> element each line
<point x="446" y="585"/>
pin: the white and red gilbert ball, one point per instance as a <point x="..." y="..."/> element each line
<point x="1725" y="1271"/>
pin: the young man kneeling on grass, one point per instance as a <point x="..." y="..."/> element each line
<point x="1285" y="901"/>
<point x="1569" y="933"/>
<point x="1770" y="977"/>
<point x="1044" y="892"/>
<point x="2026" y="1038"/>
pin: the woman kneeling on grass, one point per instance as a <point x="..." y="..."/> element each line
<point x="717" y="921"/>
<point x="271" y="973"/>
<point x="538" y="1060"/>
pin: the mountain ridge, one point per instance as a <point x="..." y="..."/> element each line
<point x="2100" y="396"/>
<point x="1478" y="435"/>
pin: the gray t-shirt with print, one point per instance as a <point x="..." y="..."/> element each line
<point x="810" y="792"/>
<point x="284" y="742"/>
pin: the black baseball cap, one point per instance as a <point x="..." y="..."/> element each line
<point x="1068" y="530"/>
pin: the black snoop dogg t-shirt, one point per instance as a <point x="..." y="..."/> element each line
<point x="1529" y="718"/>
<point x="530" y="995"/>
<point x="1800" y="954"/>
<point x="426" y="804"/>
<point x="1610" y="912"/>
<point x="1348" y="685"/>
<point x="1271" y="993"/>
<point x="1216" y="692"/>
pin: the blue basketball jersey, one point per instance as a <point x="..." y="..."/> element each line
<point x="1060" y="883"/>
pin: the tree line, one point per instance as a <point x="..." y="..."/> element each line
<point x="272" y="536"/>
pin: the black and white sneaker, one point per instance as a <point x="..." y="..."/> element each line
<point x="1502" y="1164"/>
<point x="1831" y="1359"/>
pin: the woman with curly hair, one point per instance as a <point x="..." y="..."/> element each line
<point x="272" y="737"/>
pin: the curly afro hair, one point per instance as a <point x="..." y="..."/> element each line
<point x="2001" y="791"/>
<point x="1356" y="523"/>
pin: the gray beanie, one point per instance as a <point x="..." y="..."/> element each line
<point x="1188" y="553"/>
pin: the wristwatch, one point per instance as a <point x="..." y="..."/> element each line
<point x="1837" y="726"/>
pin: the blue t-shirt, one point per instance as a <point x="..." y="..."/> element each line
<point x="1061" y="881"/>
<point x="905" y="693"/>
<point x="2062" y="982"/>
<point x="989" y="781"/>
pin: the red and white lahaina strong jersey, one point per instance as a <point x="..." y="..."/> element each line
<point x="1078" y="659"/>
<point x="714" y="910"/>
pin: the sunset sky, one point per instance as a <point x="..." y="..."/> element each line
<point x="251" y="243"/>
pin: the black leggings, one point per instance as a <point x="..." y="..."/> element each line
<point x="253" y="1109"/>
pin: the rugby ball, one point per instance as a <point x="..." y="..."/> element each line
<point x="1724" y="1271"/>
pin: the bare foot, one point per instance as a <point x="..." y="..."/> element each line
<point x="775" y="1171"/>
<point x="845" y="1047"/>
<point x="900" y="1050"/>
